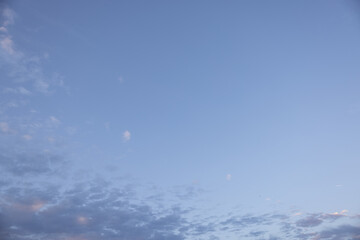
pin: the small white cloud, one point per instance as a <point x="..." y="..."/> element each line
<point x="120" y="79"/>
<point x="54" y="120"/>
<point x="338" y="185"/>
<point x="27" y="137"/>
<point x="228" y="177"/>
<point x="4" y="127"/>
<point x="3" y="29"/>
<point x="126" y="136"/>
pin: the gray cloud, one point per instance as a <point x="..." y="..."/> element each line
<point x="310" y="221"/>
<point x="341" y="232"/>
<point x="97" y="209"/>
<point x="90" y="210"/>
<point x="30" y="163"/>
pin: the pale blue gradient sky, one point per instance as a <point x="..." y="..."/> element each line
<point x="253" y="103"/>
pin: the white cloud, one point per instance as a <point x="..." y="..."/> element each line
<point x="228" y="177"/>
<point x="54" y="121"/>
<point x="126" y="136"/>
<point x="20" y="90"/>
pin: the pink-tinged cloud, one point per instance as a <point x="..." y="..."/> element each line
<point x="34" y="207"/>
<point x="82" y="220"/>
<point x="126" y="136"/>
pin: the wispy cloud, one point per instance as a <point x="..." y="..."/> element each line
<point x="27" y="137"/>
<point x="126" y="136"/>
<point x="54" y="120"/>
<point x="228" y="177"/>
<point x="18" y="90"/>
<point x="8" y="45"/>
<point x="9" y="16"/>
<point x="4" y="127"/>
<point x="21" y="67"/>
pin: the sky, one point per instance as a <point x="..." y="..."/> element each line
<point x="179" y="120"/>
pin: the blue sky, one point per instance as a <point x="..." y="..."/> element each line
<point x="179" y="120"/>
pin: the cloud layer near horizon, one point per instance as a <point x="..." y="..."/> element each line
<point x="94" y="208"/>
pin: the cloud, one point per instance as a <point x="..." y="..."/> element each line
<point x="256" y="233"/>
<point x="341" y="232"/>
<point x="54" y="121"/>
<point x="30" y="163"/>
<point x="126" y="136"/>
<point x="19" y="67"/>
<point x="19" y="90"/>
<point x="228" y="177"/>
<point x="3" y="29"/>
<point x="4" y="127"/>
<point x="90" y="211"/>
<point x="7" y="44"/>
<point x="9" y="16"/>
<point x="246" y="220"/>
<point x="311" y="221"/>
<point x="27" y="137"/>
<point x="98" y="209"/>
<point x="314" y="220"/>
